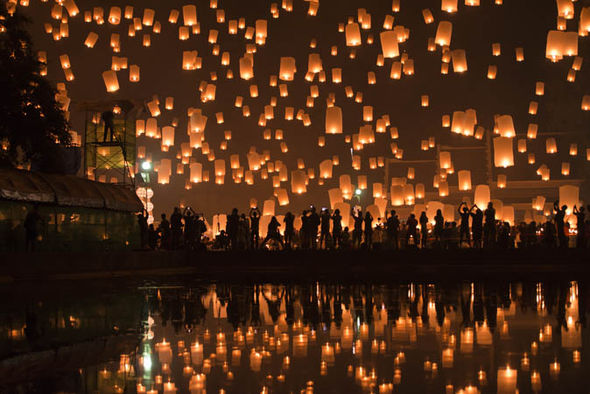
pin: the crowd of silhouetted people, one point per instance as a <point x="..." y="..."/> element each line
<point x="323" y="304"/>
<point x="476" y="228"/>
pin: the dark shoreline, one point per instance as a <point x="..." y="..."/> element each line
<point x="299" y="265"/>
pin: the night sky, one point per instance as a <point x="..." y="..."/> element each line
<point x="516" y="23"/>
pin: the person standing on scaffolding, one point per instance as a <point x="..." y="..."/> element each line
<point x="108" y="118"/>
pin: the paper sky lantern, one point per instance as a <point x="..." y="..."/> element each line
<point x="427" y="15"/>
<point x="444" y="32"/>
<point x="110" y="80"/>
<point x="584" y="25"/>
<point x="501" y="181"/>
<point x="519" y="54"/>
<point x="540" y="88"/>
<point x="449" y="6"/>
<point x="148" y="17"/>
<point x="506" y="126"/>
<point x="464" y="180"/>
<point x="389" y="44"/>
<point x="298" y="182"/>
<point x="565" y="169"/>
<point x="459" y="60"/>
<point x="196" y="172"/>
<point x="503" y="153"/>
<point x="532" y="129"/>
<point x="326" y="169"/>
<point x="91" y="39"/>
<point x="492" y="71"/>
<point x="565" y="9"/>
<point x="287" y="68"/>
<point x="353" y="35"/>
<point x="482" y="196"/>
<point x="314" y="63"/>
<point x="333" y="120"/>
<point x="445" y="160"/>
<point x="586" y="102"/>
<point x="551" y="145"/>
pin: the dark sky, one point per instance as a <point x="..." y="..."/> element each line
<point x="516" y="23"/>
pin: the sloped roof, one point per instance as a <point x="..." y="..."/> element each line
<point x="65" y="190"/>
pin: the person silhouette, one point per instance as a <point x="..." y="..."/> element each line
<point x="273" y="233"/>
<point x="336" y="228"/>
<point x="109" y="127"/>
<point x="314" y="223"/>
<point x="357" y="232"/>
<point x="324" y="228"/>
<point x="560" y="224"/>
<point x="423" y="220"/>
<point x="489" y="227"/>
<point x="411" y="232"/>
<point x="232" y="228"/>
<point x="392" y="226"/>
<point x="476" y="225"/>
<point x="254" y="227"/>
<point x="164" y="231"/>
<point x="176" y="227"/>
<point x="439" y="225"/>
<point x="581" y="226"/>
<point x="289" y="220"/>
<point x="32" y="224"/>
<point x="464" y="227"/>
<point x="368" y="230"/>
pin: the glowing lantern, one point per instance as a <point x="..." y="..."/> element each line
<point x="353" y="35"/>
<point x="521" y="145"/>
<point x="482" y="196"/>
<point x="501" y="181"/>
<point x="565" y="169"/>
<point x="492" y="71"/>
<point x="503" y="154"/>
<point x="246" y="67"/>
<point x="584" y="25"/>
<point x="189" y="14"/>
<point x="445" y="160"/>
<point x="565" y="9"/>
<point x="314" y="63"/>
<point x="168" y="136"/>
<point x="389" y="44"/>
<point x="459" y="60"/>
<point x="550" y="145"/>
<point x="287" y="68"/>
<point x="464" y="180"/>
<point x="586" y="102"/>
<point x="532" y="131"/>
<point x="110" y="80"/>
<point x="506" y="126"/>
<point x="519" y="53"/>
<point x="427" y="15"/>
<point x="449" y="6"/>
<point x="326" y="169"/>
<point x="444" y="32"/>
<point x="540" y="88"/>
<point x="91" y="40"/>
<point x="134" y="73"/>
<point x="148" y="17"/>
<point x="298" y="182"/>
<point x="196" y="172"/>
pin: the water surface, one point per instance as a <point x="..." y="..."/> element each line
<point x="184" y="336"/>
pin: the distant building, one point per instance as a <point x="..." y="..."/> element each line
<point x="77" y="214"/>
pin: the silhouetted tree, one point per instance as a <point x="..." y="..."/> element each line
<point x="32" y="124"/>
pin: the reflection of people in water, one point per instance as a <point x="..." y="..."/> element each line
<point x="274" y="305"/>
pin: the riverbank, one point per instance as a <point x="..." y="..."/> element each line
<point x="297" y="265"/>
